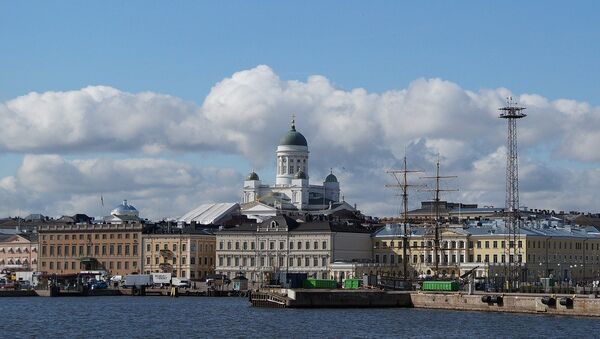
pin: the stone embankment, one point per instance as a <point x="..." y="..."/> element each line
<point x="575" y="305"/>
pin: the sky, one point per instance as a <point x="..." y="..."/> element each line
<point x="171" y="104"/>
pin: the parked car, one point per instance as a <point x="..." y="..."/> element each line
<point x="180" y="282"/>
<point x="99" y="285"/>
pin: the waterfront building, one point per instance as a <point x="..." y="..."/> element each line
<point x="292" y="193"/>
<point x="283" y="244"/>
<point x="18" y="252"/>
<point x="114" y="245"/>
<point x="564" y="253"/>
<point x="187" y="252"/>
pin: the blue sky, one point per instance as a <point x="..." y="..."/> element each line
<point x="184" y="48"/>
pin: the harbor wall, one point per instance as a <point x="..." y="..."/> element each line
<point x="581" y="305"/>
<point x="344" y="298"/>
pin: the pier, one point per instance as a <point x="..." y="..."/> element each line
<point x="555" y="304"/>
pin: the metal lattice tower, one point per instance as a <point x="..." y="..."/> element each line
<point x="511" y="112"/>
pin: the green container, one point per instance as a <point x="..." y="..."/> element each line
<point x="444" y="286"/>
<point x="319" y="283"/>
<point x="352" y="283"/>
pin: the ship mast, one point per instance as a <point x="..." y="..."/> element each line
<point x="402" y="183"/>
<point x="437" y="190"/>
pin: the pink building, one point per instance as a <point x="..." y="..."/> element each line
<point x="18" y="252"/>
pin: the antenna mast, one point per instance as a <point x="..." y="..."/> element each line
<point x="402" y="183"/>
<point x="436" y="206"/>
<point x="512" y="263"/>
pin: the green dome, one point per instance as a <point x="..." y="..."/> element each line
<point x="331" y="178"/>
<point x="300" y="175"/>
<point x="292" y="137"/>
<point x="252" y="176"/>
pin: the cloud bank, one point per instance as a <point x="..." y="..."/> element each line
<point x="358" y="133"/>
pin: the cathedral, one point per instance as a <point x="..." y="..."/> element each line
<point x="292" y="193"/>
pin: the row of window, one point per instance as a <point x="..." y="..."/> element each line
<point x="299" y="261"/>
<point x="493" y="244"/>
<point x="81" y="250"/>
<point x="542" y="258"/>
<point x="452" y="259"/>
<point x="207" y="247"/>
<point x="82" y="236"/>
<point x="245" y="245"/>
<point x="207" y="260"/>
<point x="66" y="265"/>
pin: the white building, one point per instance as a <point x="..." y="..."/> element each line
<point x="292" y="192"/>
<point x="282" y="244"/>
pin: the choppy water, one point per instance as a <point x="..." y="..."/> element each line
<point x="162" y="317"/>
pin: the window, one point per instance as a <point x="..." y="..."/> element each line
<point x="118" y="264"/>
<point x="147" y="260"/>
<point x="51" y="250"/>
<point x="281" y="246"/>
<point x="291" y="245"/>
<point x="252" y="246"/>
<point x="262" y="245"/>
<point x="291" y="262"/>
<point x="157" y="248"/>
<point x="183" y="247"/>
<point x="127" y="265"/>
<point x="306" y="261"/>
<point x="316" y="245"/>
<point x="495" y="244"/>
<point x="237" y="245"/>
<point x="183" y="261"/>
<point x="148" y="248"/>
<point x="478" y="244"/>
<point x="119" y="249"/>
<point x="245" y="246"/>
<point x="221" y="245"/>
<point x="315" y="261"/>
<point x="220" y="260"/>
<point x="323" y="261"/>
<point x="135" y="248"/>
<point x="487" y="244"/>
<point x="229" y="245"/>
<point x="520" y="244"/>
<point x="299" y="245"/>
<point x="81" y="250"/>
<point x="487" y="258"/>
<point x="111" y="249"/>
<point x="156" y="260"/>
<point x="479" y="258"/>
<point x="127" y="249"/>
<point x="174" y="247"/>
<point x="324" y="245"/>
<point x="308" y="245"/>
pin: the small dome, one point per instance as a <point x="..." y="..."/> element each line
<point x="293" y="138"/>
<point x="331" y="178"/>
<point x="125" y="209"/>
<point x="252" y="176"/>
<point x="300" y="175"/>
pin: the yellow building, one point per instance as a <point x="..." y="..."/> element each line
<point x="70" y="248"/>
<point x="561" y="253"/>
<point x="187" y="252"/>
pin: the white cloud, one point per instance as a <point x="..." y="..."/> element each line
<point x="357" y="132"/>
<point x="52" y="185"/>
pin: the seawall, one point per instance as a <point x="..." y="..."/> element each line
<point x="579" y="305"/>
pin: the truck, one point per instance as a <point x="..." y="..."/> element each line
<point x="138" y="280"/>
<point x="162" y="279"/>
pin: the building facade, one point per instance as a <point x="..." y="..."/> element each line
<point x="187" y="252"/>
<point x="282" y="244"/>
<point x="561" y="253"/>
<point x="18" y="252"/>
<point x="70" y="248"/>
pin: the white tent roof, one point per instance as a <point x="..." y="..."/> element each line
<point x="206" y="214"/>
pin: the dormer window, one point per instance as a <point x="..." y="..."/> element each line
<point x="274" y="224"/>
